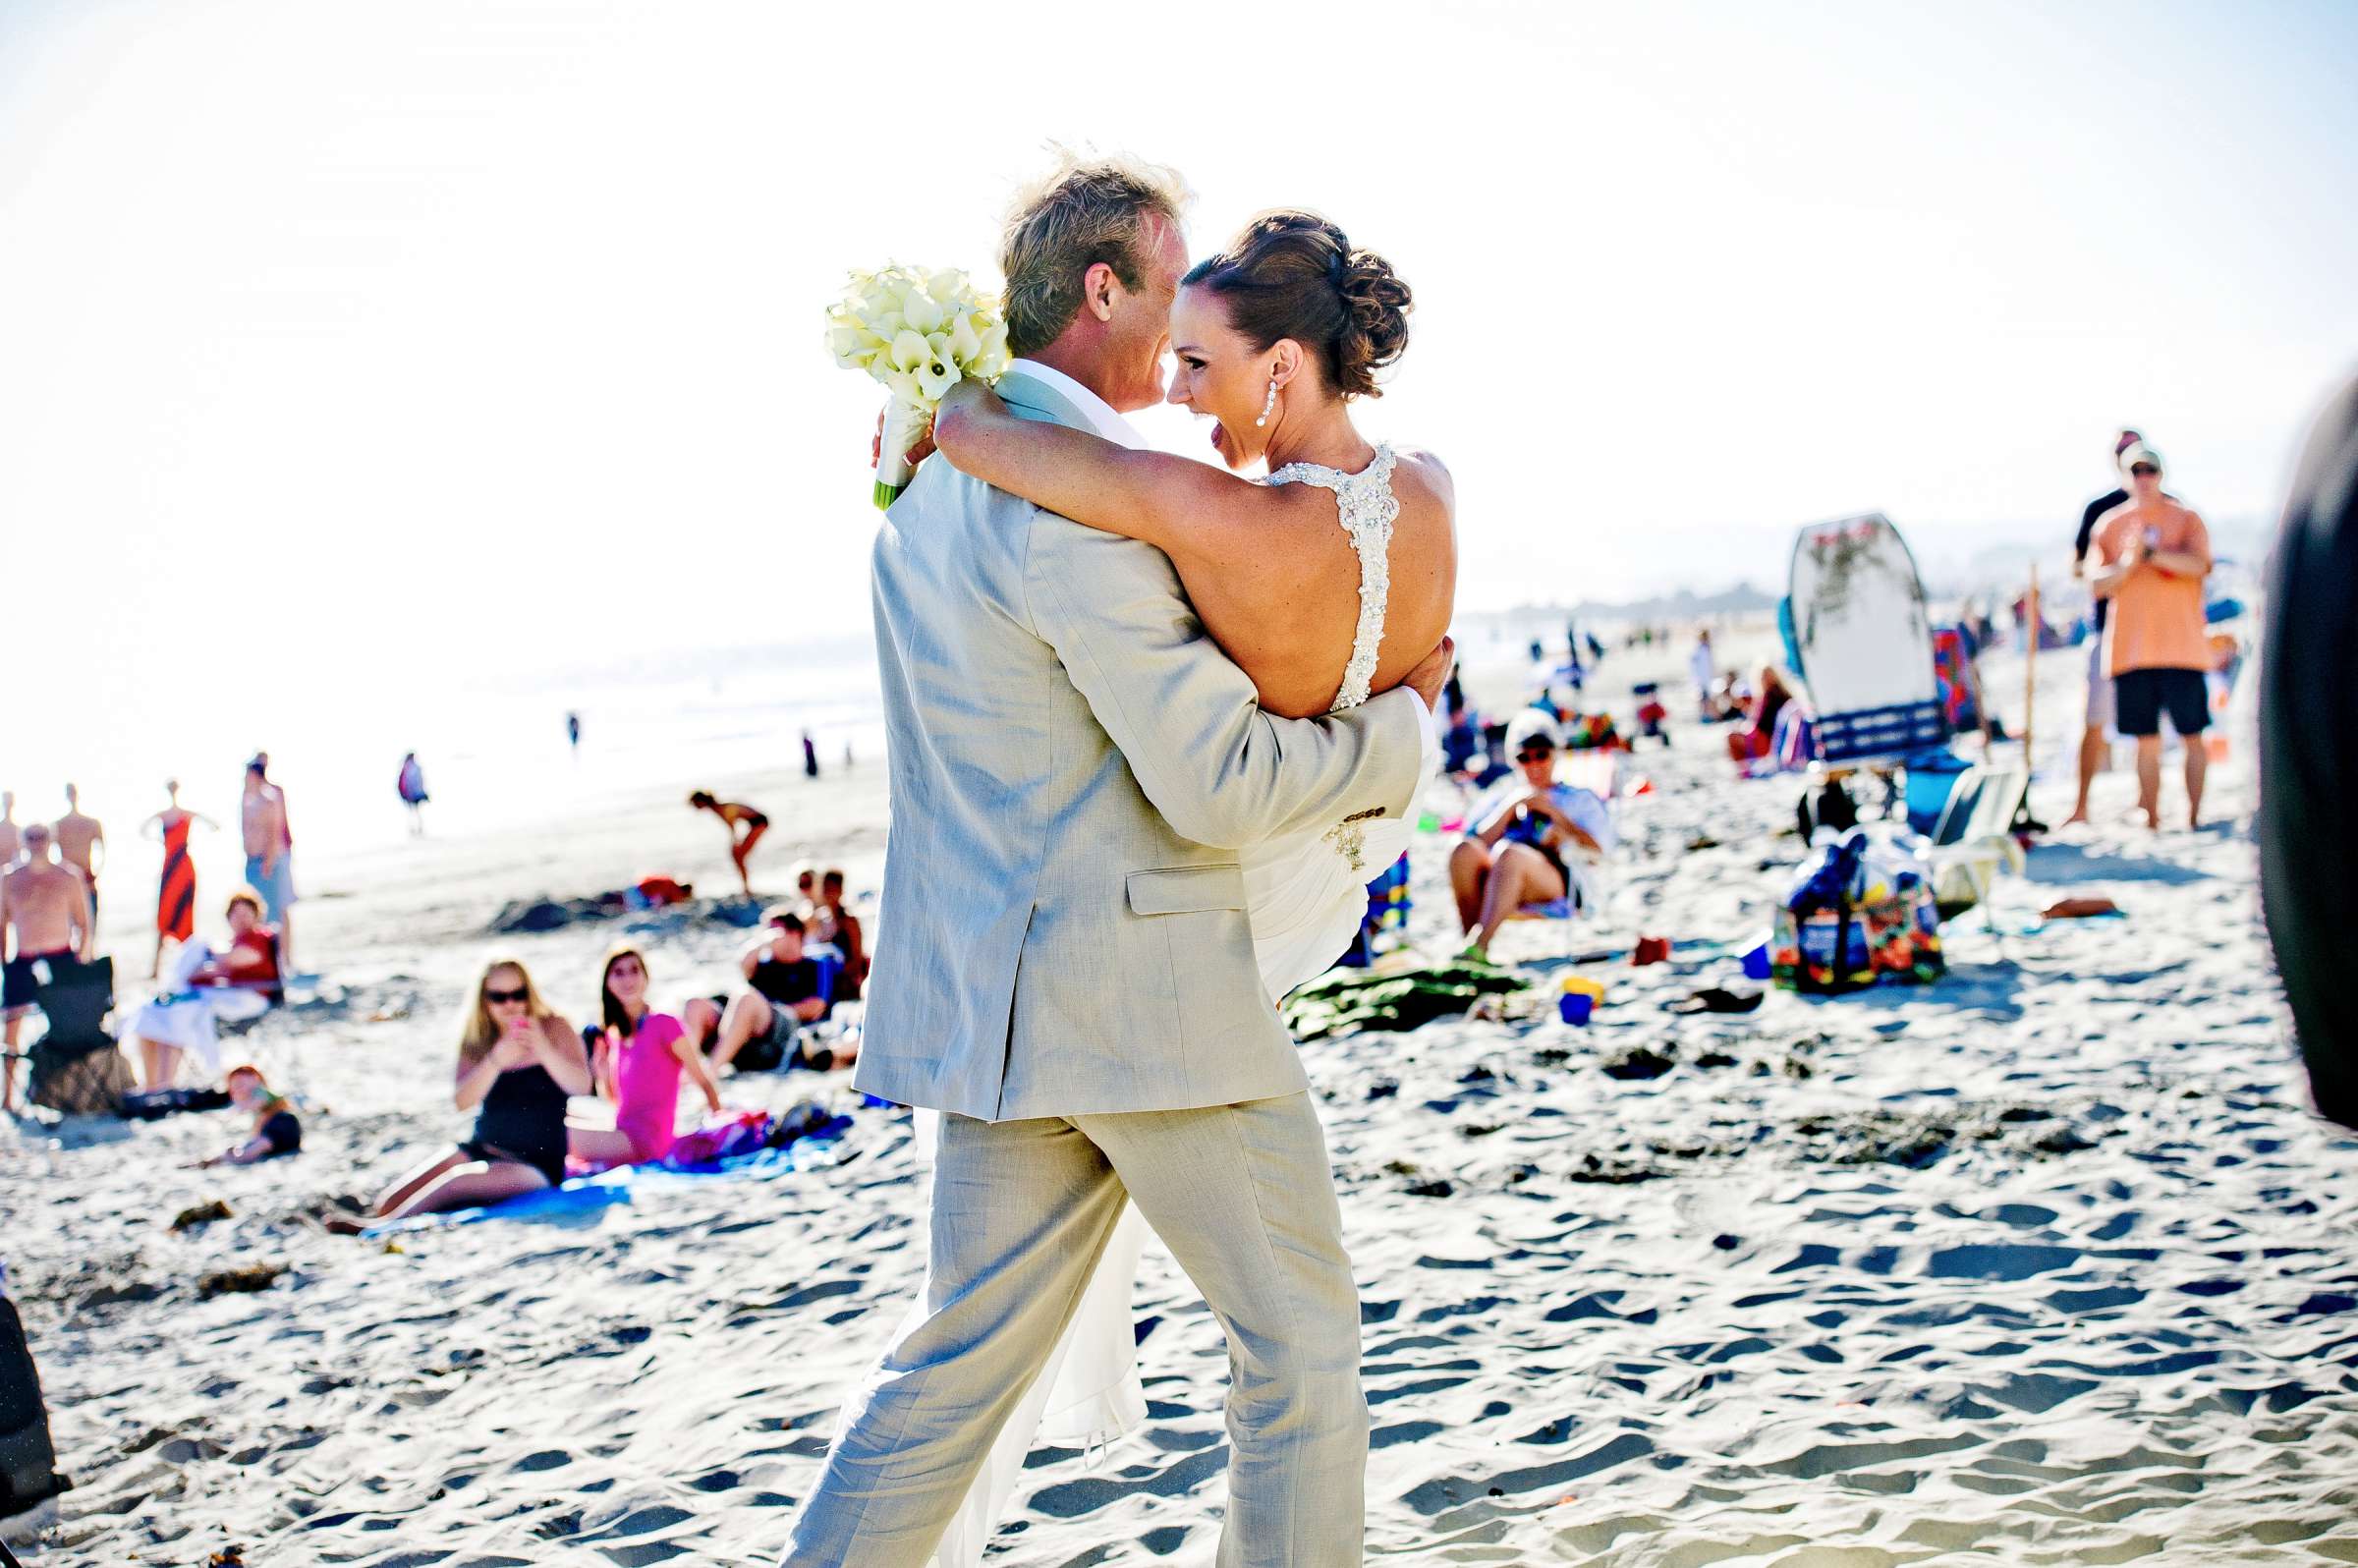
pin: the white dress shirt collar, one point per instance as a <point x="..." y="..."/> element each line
<point x="1094" y="408"/>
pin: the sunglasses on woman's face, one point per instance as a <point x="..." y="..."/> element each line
<point x="2143" y="469"/>
<point x="1535" y="756"/>
<point x="498" y="998"/>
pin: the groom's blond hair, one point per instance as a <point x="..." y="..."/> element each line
<point x="1083" y="211"/>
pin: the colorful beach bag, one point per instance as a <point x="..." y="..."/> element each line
<point x="1860" y="915"/>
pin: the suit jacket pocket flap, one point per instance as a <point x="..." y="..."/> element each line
<point x="1187" y="890"/>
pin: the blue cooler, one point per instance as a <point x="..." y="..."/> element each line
<point x="1931" y="779"/>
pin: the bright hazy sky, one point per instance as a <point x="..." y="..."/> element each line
<point x="472" y="324"/>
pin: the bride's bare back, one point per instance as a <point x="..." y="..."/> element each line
<point x="1282" y="596"/>
<point x="1271" y="569"/>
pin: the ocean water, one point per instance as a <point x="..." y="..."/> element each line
<point x="491" y="737"/>
<point x="491" y="740"/>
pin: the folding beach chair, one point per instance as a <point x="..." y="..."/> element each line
<point x="76" y="1066"/>
<point x="1973" y="841"/>
<point x="1597" y="772"/>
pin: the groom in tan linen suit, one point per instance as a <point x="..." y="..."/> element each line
<point x="1063" y="963"/>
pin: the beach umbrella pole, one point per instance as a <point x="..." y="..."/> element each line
<point x="2030" y="669"/>
<point x="2023" y="819"/>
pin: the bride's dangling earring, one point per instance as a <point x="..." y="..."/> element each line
<point x="1266" y="404"/>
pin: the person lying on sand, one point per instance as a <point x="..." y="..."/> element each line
<point x="518" y="1062"/>
<point x="276" y="1132"/>
<point x="640" y="1057"/>
<point x="761" y="1029"/>
<point x="745" y="827"/>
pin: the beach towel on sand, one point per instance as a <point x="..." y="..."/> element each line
<point x="805" y="1138"/>
<point x="1348" y="1000"/>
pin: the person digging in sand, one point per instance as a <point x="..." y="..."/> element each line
<point x="745" y="827"/>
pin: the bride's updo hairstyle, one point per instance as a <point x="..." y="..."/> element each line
<point x="1296" y="275"/>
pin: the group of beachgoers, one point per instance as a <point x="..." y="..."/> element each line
<point x="521" y="1066"/>
<point x="519" y="1061"/>
<point x="49" y="924"/>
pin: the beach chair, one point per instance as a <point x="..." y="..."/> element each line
<point x="1973" y="841"/>
<point x="76" y="1066"/>
<point x="1862" y="636"/>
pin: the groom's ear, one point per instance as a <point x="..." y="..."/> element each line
<point x="1099" y="286"/>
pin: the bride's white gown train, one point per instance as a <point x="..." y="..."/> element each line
<point x="1307" y="894"/>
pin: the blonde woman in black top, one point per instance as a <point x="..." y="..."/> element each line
<point x="519" y="1061"/>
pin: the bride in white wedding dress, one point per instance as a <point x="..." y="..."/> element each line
<point x="1325" y="582"/>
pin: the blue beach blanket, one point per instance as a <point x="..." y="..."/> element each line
<point x="585" y="1197"/>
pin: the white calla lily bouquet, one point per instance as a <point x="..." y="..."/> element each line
<point x="919" y="332"/>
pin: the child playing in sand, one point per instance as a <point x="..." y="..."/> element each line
<point x="276" y="1132"/>
<point x="640" y="1057"/>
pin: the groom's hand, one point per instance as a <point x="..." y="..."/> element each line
<point x="1428" y="677"/>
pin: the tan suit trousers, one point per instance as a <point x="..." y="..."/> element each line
<point x="1244" y="1198"/>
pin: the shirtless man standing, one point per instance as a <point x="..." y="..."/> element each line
<point x="82" y="843"/>
<point x="12" y="839"/>
<point x="46" y="907"/>
<point x="269" y="851"/>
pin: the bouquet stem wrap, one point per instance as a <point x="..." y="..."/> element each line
<point x="904" y="426"/>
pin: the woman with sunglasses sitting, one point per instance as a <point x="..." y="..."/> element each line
<point x="1515" y="855"/>
<point x="518" y="1063"/>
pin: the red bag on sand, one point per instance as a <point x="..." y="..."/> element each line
<point x="1652" y="950"/>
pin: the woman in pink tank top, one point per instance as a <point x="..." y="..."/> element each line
<point x="639" y="1060"/>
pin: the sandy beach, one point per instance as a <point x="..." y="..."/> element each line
<point x="2044" y="1264"/>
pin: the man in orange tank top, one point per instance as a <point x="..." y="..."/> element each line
<point x="2154" y="555"/>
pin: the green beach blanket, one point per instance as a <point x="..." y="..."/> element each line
<point x="1348" y="1000"/>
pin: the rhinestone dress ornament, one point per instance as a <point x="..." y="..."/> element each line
<point x="1368" y="509"/>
